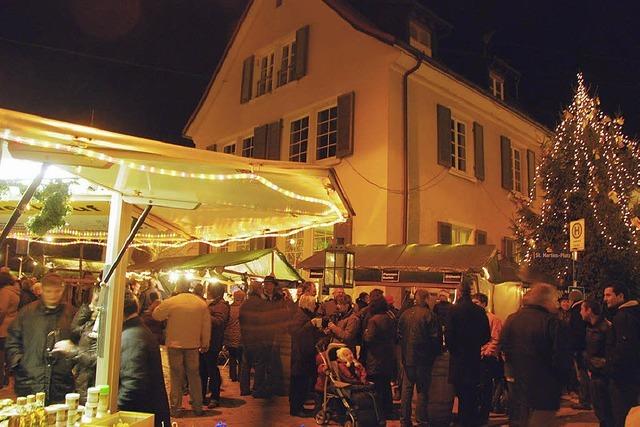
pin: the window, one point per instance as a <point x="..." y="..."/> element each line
<point x="229" y="149"/>
<point x="322" y="238"/>
<point x="212" y="147"/>
<point x="265" y="82"/>
<point x="517" y="169"/>
<point x="420" y="37"/>
<point x="293" y="248"/>
<point x="458" y="145"/>
<point x="508" y="249"/>
<point x="481" y="237"/>
<point x="243" y="246"/>
<point x="460" y="235"/>
<point x="299" y="140"/>
<point x="287" y="72"/>
<point x="327" y="133"/>
<point x="497" y="86"/>
<point x="247" y="147"/>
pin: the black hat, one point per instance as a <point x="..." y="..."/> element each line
<point x="270" y="279"/>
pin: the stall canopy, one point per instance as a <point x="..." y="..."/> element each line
<point x="201" y="195"/>
<point x="261" y="263"/>
<point x="415" y="262"/>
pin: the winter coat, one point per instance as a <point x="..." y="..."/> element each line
<point x="86" y="357"/>
<point x="623" y="344"/>
<point x="577" y="328"/>
<point x="27" y="355"/>
<point x="232" y="331"/>
<point x="328" y="308"/>
<point x="595" y="350"/>
<point x="379" y="337"/>
<point x="142" y="386"/>
<point x="441" y="309"/>
<point x="304" y="337"/>
<point x="536" y="349"/>
<point x="219" y="312"/>
<point x="418" y="331"/>
<point x="188" y="321"/>
<point x="156" y="327"/>
<point x="353" y="374"/>
<point x="9" y="302"/>
<point x="466" y="332"/>
<point x="26" y="298"/>
<point x="347" y="330"/>
<point x="253" y="322"/>
<point x="490" y="349"/>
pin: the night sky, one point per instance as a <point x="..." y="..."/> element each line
<point x="140" y="66"/>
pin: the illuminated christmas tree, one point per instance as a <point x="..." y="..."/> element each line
<point x="589" y="170"/>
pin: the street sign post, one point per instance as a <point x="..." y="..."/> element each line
<point x="576" y="244"/>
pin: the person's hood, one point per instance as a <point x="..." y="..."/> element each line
<point x="629" y="304"/>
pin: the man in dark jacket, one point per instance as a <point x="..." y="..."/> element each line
<point x="418" y="331"/>
<point x="623" y="351"/>
<point x="142" y="386"/>
<point x="209" y="372"/>
<point x="536" y="352"/>
<point x="85" y="332"/>
<point x="595" y="357"/>
<point x="255" y="342"/>
<point x="31" y="340"/>
<point x="577" y="332"/>
<point x="466" y="332"/>
<point x="345" y="324"/>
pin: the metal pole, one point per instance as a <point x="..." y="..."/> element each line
<point x="22" y="205"/>
<point x="126" y="244"/>
<point x="574" y="257"/>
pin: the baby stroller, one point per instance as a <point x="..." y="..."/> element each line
<point x="353" y="405"/>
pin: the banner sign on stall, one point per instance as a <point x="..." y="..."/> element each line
<point x="390" y="276"/>
<point x="576" y="235"/>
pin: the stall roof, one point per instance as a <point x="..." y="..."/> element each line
<point x="255" y="262"/>
<point x="414" y="257"/>
<point x="208" y="196"/>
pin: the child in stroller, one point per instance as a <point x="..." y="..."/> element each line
<point x="346" y="395"/>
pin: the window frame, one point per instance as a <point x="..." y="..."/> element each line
<point x="232" y="144"/>
<point x="329" y="145"/>
<point x="516" y="175"/>
<point x="243" y="148"/>
<point x="266" y="66"/>
<point x="456" y="158"/>
<point x="321" y="234"/>
<point x="497" y="85"/>
<point x="297" y="157"/>
<point x="456" y="233"/>
<point x="290" y="72"/>
<point x="296" y="250"/>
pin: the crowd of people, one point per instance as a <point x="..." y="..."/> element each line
<point x="547" y="347"/>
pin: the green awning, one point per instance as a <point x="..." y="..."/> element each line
<point x="73" y="264"/>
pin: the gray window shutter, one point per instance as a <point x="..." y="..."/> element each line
<point x="507" y="163"/>
<point x="481" y="237"/>
<point x="444" y="233"/>
<point x="478" y="148"/>
<point x="302" y="47"/>
<point x="260" y="142"/>
<point x="247" y="79"/>
<point x="274" y="131"/>
<point x="531" y="168"/>
<point x="346" y="104"/>
<point x="444" y="136"/>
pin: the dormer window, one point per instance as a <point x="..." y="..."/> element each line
<point x="497" y="85"/>
<point x="420" y="37"/>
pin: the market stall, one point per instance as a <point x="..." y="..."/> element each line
<point x="204" y="197"/>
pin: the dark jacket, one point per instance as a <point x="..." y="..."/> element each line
<point x="596" y="346"/>
<point x="304" y="337"/>
<point x="347" y="330"/>
<point x="142" y="386"/>
<point x="86" y="357"/>
<point x="35" y="329"/>
<point x="219" y="310"/>
<point x="380" y="337"/>
<point x="536" y="349"/>
<point x="253" y="329"/>
<point x="26" y="298"/>
<point x="577" y="329"/>
<point x="419" y="336"/>
<point x="155" y="326"/>
<point x="9" y="302"/>
<point x="467" y="331"/>
<point x="232" y="331"/>
<point x="623" y="344"/>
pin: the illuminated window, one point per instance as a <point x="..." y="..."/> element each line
<point x="299" y="140"/>
<point x="458" y="145"/>
<point x="247" y="147"/>
<point x="497" y="86"/>
<point x="243" y="246"/>
<point x="327" y="133"/>
<point x="293" y="248"/>
<point x="265" y="82"/>
<point x="322" y="238"/>
<point x="287" y="72"/>
<point x="229" y="149"/>
<point x="517" y="170"/>
<point x="460" y="235"/>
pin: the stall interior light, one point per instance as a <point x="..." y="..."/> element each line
<point x="174" y="276"/>
<point x="486" y="273"/>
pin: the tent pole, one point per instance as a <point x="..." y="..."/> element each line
<point x="22" y="205"/>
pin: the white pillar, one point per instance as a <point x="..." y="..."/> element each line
<point x="111" y="317"/>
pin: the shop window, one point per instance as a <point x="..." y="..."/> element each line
<point x="327" y="133"/>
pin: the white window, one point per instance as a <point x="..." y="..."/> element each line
<point x="287" y="71"/>
<point x="322" y="238"/>
<point x="299" y="140"/>
<point x="229" y="149"/>
<point x="327" y="133"/>
<point x="420" y="37"/>
<point x="293" y="248"/>
<point x="517" y="169"/>
<point x="247" y="147"/>
<point x="460" y="235"/>
<point x="497" y="86"/>
<point x="265" y="81"/>
<point x="458" y="145"/>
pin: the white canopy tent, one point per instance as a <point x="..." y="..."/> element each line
<point x="204" y="196"/>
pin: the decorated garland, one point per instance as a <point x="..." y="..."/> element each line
<point x="54" y="198"/>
